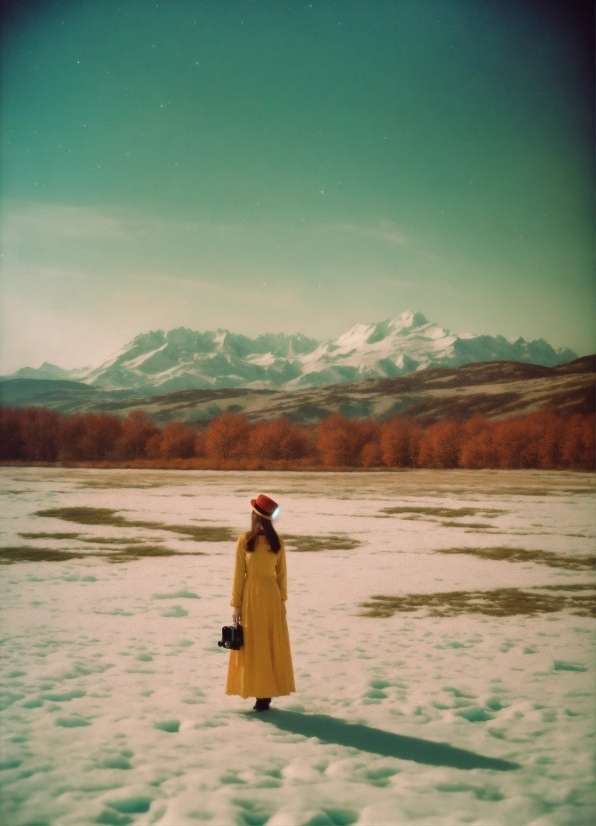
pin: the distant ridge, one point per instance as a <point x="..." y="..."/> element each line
<point x="494" y="389"/>
<point x="183" y="359"/>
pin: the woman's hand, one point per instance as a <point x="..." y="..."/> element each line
<point x="236" y="615"/>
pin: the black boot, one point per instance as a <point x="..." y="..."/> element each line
<point x="262" y="704"/>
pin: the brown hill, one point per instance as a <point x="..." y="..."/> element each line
<point x="497" y="389"/>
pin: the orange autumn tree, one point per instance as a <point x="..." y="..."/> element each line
<point x="368" y="435"/>
<point x="548" y="431"/>
<point x="227" y="437"/>
<point x="11" y="438"/>
<point x="478" y="448"/>
<point x="578" y="443"/>
<point x="400" y="442"/>
<point x="336" y="441"/>
<point x="72" y="433"/>
<point x="137" y="430"/>
<point x="540" y="440"/>
<point x="340" y="440"/>
<point x="440" y="445"/>
<point x="278" y="439"/>
<point x="101" y="433"/>
<point x="40" y="434"/>
<point x="176" y="441"/>
<point x="516" y="442"/>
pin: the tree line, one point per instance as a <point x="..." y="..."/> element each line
<point x="539" y="440"/>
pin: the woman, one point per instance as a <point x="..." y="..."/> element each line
<point x="262" y="668"/>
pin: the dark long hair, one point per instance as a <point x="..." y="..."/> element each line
<point x="260" y="525"/>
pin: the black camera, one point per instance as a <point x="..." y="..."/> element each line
<point x="231" y="637"/>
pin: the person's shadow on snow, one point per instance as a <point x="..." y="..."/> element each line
<point x="365" y="738"/>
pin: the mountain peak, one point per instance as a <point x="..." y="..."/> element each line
<point x="409" y="319"/>
<point x="46" y="371"/>
<point x="184" y="359"/>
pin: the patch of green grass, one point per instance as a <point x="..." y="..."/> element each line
<point x="116" y="483"/>
<point x="107" y="516"/>
<point x="130" y="553"/>
<point x="171" y="726"/>
<point x="500" y="602"/>
<point x="108" y="540"/>
<point x="42" y="535"/>
<point x="476" y="525"/>
<point x="331" y="542"/>
<point x="585" y="562"/>
<point x="203" y="534"/>
<point x="490" y="530"/>
<point x="26" y="553"/>
<point x="85" y="516"/>
<point x="490" y="513"/>
<point x="89" y="540"/>
<point x="134" y="552"/>
<point x="519" y="491"/>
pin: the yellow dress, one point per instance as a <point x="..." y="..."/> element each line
<point x="263" y="666"/>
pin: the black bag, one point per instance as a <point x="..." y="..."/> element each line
<point x="231" y="637"/>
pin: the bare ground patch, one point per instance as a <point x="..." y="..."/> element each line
<point x="129" y="553"/>
<point x="332" y="542"/>
<point x="46" y="535"/>
<point x="85" y="516"/>
<point x="135" y="552"/>
<point x="554" y="491"/>
<point x="499" y="602"/>
<point x="122" y="483"/>
<point x="89" y="540"/>
<point x="117" y="540"/>
<point x="421" y="511"/>
<point x="477" y="526"/>
<point x="585" y="562"/>
<point x="26" y="553"/>
<point x="108" y="516"/>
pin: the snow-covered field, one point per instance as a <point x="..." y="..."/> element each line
<point x="113" y="699"/>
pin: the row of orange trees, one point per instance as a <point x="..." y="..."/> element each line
<point x="539" y="440"/>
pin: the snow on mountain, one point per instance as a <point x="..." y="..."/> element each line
<point x="183" y="359"/>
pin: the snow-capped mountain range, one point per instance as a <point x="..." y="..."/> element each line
<point x="182" y="359"/>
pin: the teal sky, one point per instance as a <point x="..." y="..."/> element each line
<point x="293" y="166"/>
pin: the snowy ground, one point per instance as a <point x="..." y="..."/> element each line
<point x="112" y="680"/>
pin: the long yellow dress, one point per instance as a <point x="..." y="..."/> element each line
<point x="263" y="666"/>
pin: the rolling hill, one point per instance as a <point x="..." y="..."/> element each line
<point x="497" y="389"/>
